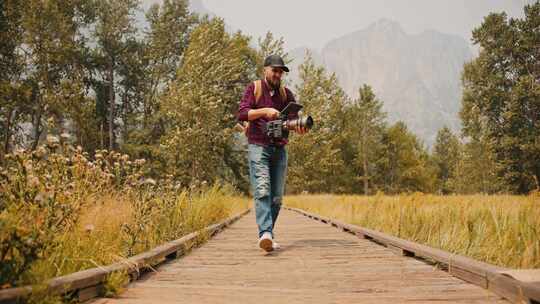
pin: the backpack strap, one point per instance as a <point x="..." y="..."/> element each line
<point x="258" y="91"/>
<point x="283" y="92"/>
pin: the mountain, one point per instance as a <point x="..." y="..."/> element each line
<point x="416" y="76"/>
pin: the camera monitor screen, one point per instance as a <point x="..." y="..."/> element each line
<point x="292" y="107"/>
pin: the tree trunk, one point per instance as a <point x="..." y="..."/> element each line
<point x="7" y="135"/>
<point x="124" y="115"/>
<point x="364" y="160"/>
<point x="366" y="182"/>
<point x="111" y="104"/>
<point x="36" y="122"/>
<point x="101" y="140"/>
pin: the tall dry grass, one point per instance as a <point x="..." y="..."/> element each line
<point x="502" y="230"/>
<point x="118" y="226"/>
<point x="62" y="211"/>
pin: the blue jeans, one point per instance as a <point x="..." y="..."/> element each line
<point x="267" y="174"/>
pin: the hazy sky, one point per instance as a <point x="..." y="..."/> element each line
<point x="313" y="23"/>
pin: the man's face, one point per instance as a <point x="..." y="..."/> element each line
<point x="273" y="75"/>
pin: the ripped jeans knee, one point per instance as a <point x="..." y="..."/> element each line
<point x="262" y="186"/>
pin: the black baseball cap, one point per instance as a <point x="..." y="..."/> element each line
<point x="276" y="61"/>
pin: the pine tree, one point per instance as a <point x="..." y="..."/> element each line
<point x="476" y="171"/>
<point x="365" y="123"/>
<point x="405" y="162"/>
<point x="446" y="153"/>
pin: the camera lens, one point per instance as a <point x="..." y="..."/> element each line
<point x="305" y="122"/>
<point x="308" y="122"/>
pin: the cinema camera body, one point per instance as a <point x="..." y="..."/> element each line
<point x="279" y="128"/>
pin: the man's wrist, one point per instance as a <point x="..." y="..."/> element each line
<point x="256" y="113"/>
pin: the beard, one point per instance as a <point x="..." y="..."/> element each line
<point x="274" y="83"/>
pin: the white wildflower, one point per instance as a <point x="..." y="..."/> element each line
<point x="149" y="181"/>
<point x="65" y="136"/>
<point x="52" y="140"/>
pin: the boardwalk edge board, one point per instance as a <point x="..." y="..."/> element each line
<point x="482" y="274"/>
<point x="87" y="284"/>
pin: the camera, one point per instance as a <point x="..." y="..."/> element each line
<point x="279" y="128"/>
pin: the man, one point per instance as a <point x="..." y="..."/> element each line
<point x="262" y="102"/>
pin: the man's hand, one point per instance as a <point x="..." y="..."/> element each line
<point x="271" y="113"/>
<point x="301" y="130"/>
<point x="246" y="128"/>
<point x="242" y="127"/>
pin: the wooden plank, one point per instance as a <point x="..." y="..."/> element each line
<point x="13" y="295"/>
<point x="524" y="292"/>
<point x="531" y="291"/>
<point x="399" y="251"/>
<point x="361" y="235"/>
<point x="506" y="287"/>
<point x="523" y="275"/>
<point x="91" y="292"/>
<point x="469" y="276"/>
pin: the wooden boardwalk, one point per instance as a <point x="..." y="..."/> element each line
<point x="317" y="264"/>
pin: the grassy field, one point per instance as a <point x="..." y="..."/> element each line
<point x="501" y="230"/>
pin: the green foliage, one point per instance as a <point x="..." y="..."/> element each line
<point x="350" y="149"/>
<point x="149" y="72"/>
<point x="115" y="33"/>
<point x="501" y="94"/>
<point x="11" y="94"/>
<point x="316" y="162"/>
<point x="115" y="283"/>
<point x="446" y="155"/>
<point x="46" y="50"/>
<point x="365" y="123"/>
<point x="476" y="170"/>
<point x="41" y="295"/>
<point x="199" y="106"/>
<point x="405" y="162"/>
<point x="270" y="46"/>
<point x="167" y="93"/>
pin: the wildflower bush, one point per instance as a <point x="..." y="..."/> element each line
<point x="62" y="211"/>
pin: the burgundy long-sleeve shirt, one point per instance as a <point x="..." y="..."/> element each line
<point x="269" y="99"/>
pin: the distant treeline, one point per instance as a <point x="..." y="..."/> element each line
<point x="168" y="93"/>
